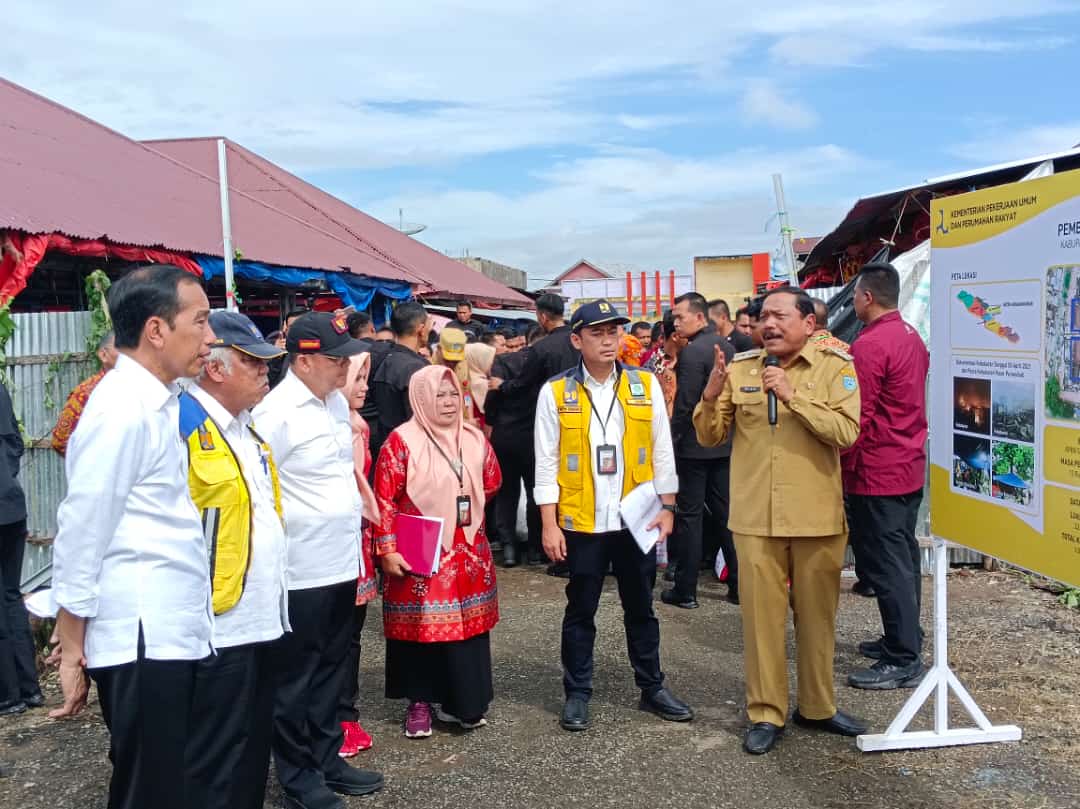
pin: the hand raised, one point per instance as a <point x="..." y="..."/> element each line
<point x="717" y="377"/>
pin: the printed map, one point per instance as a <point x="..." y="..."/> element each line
<point x="988" y="314"/>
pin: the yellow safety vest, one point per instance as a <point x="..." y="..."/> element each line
<point x="221" y="494"/>
<point x="577" y="490"/>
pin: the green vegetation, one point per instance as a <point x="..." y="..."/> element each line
<point x="1014" y="458"/>
<point x="1070" y="598"/>
<point x="1055" y="408"/>
<point x="97" y="285"/>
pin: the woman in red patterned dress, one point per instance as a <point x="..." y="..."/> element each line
<point x="438" y="644"/>
<point x="355" y="390"/>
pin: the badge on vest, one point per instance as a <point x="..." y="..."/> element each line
<point x="570" y="395"/>
<point x="749" y="389"/>
<point x="206" y="441"/>
<point x="606" y="463"/>
<point x="637" y="389"/>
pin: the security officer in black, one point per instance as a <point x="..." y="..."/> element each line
<point x="396" y="365"/>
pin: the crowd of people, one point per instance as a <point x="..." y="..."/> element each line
<point x="221" y="539"/>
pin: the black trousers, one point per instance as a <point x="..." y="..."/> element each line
<point x="888" y="555"/>
<point x="702" y="482"/>
<point x="518" y="464"/>
<point x="311" y="666"/>
<point x="232" y="722"/>
<point x="18" y="674"/>
<point x="349" y="703"/>
<point x="147" y="706"/>
<point x="588" y="557"/>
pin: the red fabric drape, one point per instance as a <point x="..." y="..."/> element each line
<point x="20" y="253"/>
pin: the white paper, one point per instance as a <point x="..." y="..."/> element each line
<point x="638" y="509"/>
<point x="41" y="604"/>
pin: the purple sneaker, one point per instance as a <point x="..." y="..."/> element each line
<point x="418" y="720"/>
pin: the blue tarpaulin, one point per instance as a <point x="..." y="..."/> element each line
<point x="1012" y="481"/>
<point x="354" y="290"/>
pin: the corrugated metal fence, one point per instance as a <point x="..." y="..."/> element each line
<point x="47" y="357"/>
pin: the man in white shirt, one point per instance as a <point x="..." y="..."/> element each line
<point x="602" y="430"/>
<point x="305" y="419"/>
<point x="130" y="574"/>
<point x="233" y="482"/>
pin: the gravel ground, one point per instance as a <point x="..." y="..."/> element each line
<point x="1013" y="646"/>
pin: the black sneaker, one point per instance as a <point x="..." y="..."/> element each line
<point x="872" y="649"/>
<point x="885" y="676"/>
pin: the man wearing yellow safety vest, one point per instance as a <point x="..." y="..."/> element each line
<point x="234" y="484"/>
<point x="602" y="430"/>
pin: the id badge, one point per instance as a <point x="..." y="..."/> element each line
<point x="606" y="463"/>
<point x="464" y="510"/>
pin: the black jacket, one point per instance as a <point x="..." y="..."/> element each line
<point x="691" y="373"/>
<point x="741" y="342"/>
<point x="389" y="394"/>
<point x="474" y="329"/>
<point x="551" y="356"/>
<point x="510" y="415"/>
<point x="12" y="500"/>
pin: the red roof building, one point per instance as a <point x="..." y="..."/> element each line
<point x="583" y="270"/>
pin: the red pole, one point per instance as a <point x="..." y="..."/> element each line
<point x="629" y="294"/>
<point x="644" y="297"/>
<point x="659" y="308"/>
<point x="671" y="288"/>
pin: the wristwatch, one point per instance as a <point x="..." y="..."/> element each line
<point x="668" y="507"/>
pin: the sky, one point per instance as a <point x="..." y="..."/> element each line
<point x="635" y="134"/>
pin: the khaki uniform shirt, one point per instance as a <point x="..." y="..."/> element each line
<point x="785" y="481"/>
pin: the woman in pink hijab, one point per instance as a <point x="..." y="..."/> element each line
<point x="438" y="650"/>
<point x="355" y="390"/>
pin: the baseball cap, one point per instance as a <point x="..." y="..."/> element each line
<point x="237" y="331"/>
<point x="452" y="343"/>
<point x="322" y="333"/>
<point x="594" y="314"/>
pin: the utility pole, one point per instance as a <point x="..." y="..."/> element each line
<point x="226" y="227"/>
<point x="785" y="229"/>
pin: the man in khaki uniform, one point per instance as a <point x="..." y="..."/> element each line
<point x="789" y="519"/>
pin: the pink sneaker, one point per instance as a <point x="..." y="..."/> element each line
<point x="418" y="720"/>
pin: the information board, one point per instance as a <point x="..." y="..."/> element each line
<point x="1005" y="373"/>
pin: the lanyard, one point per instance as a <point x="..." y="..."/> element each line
<point x="458" y="469"/>
<point x="611" y="408"/>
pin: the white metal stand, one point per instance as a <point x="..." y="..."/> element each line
<point x="938" y="680"/>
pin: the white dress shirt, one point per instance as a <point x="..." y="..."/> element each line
<point x="312" y="444"/>
<point x="130" y="548"/>
<point x="608" y="487"/>
<point x="262" y="613"/>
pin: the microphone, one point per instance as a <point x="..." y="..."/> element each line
<point x="772" y="362"/>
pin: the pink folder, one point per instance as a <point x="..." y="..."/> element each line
<point x="419" y="541"/>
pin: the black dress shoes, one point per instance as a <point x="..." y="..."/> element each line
<point x="885" y="676"/>
<point x="354" y="781"/>
<point x="575" y="714"/>
<point x="666" y="705"/>
<point x="510" y="554"/>
<point x="559" y="570"/>
<point x="12" y="707"/>
<point x="761" y="737"/>
<point x="35" y="700"/>
<point x="839" y="723"/>
<point x="674" y="599"/>
<point x="862" y="588"/>
<point x="321" y="798"/>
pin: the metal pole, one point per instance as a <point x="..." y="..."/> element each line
<point x="629" y="295"/>
<point x="659" y="306"/>
<point x="785" y="229"/>
<point x="226" y="227"/>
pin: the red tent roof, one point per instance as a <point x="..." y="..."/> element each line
<point x="60" y="172"/>
<point x="268" y="182"/>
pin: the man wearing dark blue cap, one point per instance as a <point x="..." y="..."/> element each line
<point x="601" y="431"/>
<point x="234" y="484"/>
<point x="305" y="419"/>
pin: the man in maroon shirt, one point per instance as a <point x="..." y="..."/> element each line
<point x="884" y="473"/>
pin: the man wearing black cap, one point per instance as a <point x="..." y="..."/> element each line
<point x="305" y="420"/>
<point x="234" y="484"/>
<point x="601" y="431"/>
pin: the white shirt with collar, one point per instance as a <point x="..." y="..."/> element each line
<point x="608" y="488"/>
<point x="129" y="550"/>
<point x="262" y="613"/>
<point x="312" y="444"/>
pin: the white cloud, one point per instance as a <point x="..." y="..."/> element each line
<point x="1001" y="145"/>
<point x="764" y="102"/>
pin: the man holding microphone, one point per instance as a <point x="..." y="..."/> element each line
<point x="602" y="430"/>
<point x="790" y="409"/>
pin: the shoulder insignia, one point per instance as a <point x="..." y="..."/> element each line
<point x="838" y="352"/>
<point x="747" y="355"/>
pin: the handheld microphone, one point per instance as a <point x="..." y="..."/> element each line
<point x="772" y="362"/>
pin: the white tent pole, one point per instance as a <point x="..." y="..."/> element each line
<point x="226" y="226"/>
<point x="785" y="229"/>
